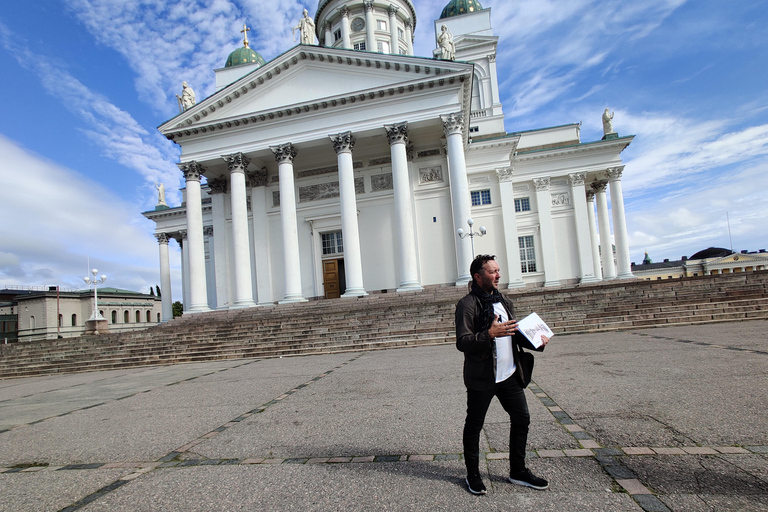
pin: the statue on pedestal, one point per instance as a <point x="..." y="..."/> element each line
<point x="445" y="41"/>
<point x="306" y="28"/>
<point x="608" y="122"/>
<point x="187" y="98"/>
<point x="160" y="194"/>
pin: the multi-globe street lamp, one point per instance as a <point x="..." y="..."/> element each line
<point x="92" y="281"/>
<point x="471" y="234"/>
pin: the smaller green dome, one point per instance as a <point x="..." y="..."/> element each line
<point x="459" y="7"/>
<point x="244" y="55"/>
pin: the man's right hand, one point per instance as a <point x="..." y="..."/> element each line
<point x="500" y="329"/>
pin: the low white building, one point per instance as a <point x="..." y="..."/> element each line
<point x="332" y="170"/>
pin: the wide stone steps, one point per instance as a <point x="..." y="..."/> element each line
<point x="389" y="320"/>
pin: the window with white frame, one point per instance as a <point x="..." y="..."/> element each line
<point x="480" y="197"/>
<point x="527" y="254"/>
<point x="523" y="204"/>
<point x="381" y="25"/>
<point x="360" y="46"/>
<point x="332" y="243"/>
<point x="382" y="46"/>
<point x="400" y="33"/>
<point x="337" y="35"/>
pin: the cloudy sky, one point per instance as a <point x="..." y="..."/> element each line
<point x="86" y="82"/>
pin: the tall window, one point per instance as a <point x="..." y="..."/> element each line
<point x="61" y="320"/>
<point x="527" y="254"/>
<point x="359" y="46"/>
<point x="332" y="243"/>
<point x="400" y="33"/>
<point x="114" y="316"/>
<point x="126" y="317"/>
<point x="381" y="25"/>
<point x="480" y="197"/>
<point x="523" y="204"/>
<point x="337" y="35"/>
<point x="149" y="316"/>
<point x="74" y="320"/>
<point x="138" y="316"/>
<point x="382" y="46"/>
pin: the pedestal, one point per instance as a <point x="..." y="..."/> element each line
<point x="96" y="326"/>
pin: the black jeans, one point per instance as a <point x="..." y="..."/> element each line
<point x="512" y="398"/>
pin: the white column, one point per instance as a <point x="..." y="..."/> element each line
<point x="546" y="231"/>
<point x="394" y="47"/>
<point x="165" y="278"/>
<point x="511" y="242"/>
<point x="284" y="154"/>
<point x="596" y="267"/>
<point x="583" y="240"/>
<point x="353" y="263"/>
<point x="346" y="42"/>
<point x="397" y="135"/>
<point x="370" y="27"/>
<point x="259" y="205"/>
<point x="198" y="294"/>
<point x="184" y="246"/>
<point x="619" y="223"/>
<point x="453" y="126"/>
<point x="328" y="35"/>
<point x="241" y="249"/>
<point x="409" y="37"/>
<point x="218" y="188"/>
<point x="606" y="246"/>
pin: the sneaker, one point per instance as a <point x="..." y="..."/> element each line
<point x="475" y="484"/>
<point x="528" y="479"/>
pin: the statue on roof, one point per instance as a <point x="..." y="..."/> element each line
<point x="160" y="194"/>
<point x="187" y="98"/>
<point x="445" y="41"/>
<point x="306" y="28"/>
<point x="608" y="122"/>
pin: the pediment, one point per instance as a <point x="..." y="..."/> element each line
<point x="740" y="258"/>
<point x="309" y="77"/>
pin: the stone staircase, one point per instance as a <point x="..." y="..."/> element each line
<point x="390" y="320"/>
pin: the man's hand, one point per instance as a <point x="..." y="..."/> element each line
<point x="500" y="329"/>
<point x="544" y="340"/>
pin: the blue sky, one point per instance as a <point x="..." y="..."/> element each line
<point x="86" y="82"/>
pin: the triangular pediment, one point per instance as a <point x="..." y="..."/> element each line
<point x="740" y="258"/>
<point x="308" y="76"/>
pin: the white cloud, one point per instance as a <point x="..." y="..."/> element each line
<point x="60" y="218"/>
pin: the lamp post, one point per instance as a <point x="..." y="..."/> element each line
<point x="92" y="281"/>
<point x="471" y="234"/>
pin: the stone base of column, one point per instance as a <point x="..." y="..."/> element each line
<point x="515" y="284"/>
<point x="267" y="303"/>
<point x="289" y="299"/>
<point x="551" y="284"/>
<point x="355" y="292"/>
<point x="198" y="309"/>
<point x="463" y="280"/>
<point x="628" y="275"/>
<point x="589" y="279"/>
<point x="222" y="307"/>
<point x="410" y="287"/>
<point x="243" y="304"/>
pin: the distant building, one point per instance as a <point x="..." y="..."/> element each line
<point x="32" y="314"/>
<point x="711" y="261"/>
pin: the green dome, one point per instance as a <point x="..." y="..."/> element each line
<point x="244" y="55"/>
<point x="459" y="7"/>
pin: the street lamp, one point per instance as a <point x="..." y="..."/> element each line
<point x="92" y="281"/>
<point x="471" y="234"/>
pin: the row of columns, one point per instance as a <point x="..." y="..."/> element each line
<point x="370" y="30"/>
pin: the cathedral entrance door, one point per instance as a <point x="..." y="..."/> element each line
<point x="333" y="278"/>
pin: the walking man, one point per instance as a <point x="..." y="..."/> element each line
<point x="486" y="332"/>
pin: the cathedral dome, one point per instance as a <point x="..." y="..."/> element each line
<point x="459" y="7"/>
<point x="244" y="55"/>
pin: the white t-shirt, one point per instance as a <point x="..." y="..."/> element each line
<point x="505" y="360"/>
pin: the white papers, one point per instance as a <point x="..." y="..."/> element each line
<point x="533" y="327"/>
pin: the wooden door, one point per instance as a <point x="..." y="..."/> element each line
<point x="331" y="279"/>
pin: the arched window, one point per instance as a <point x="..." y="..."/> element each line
<point x="114" y="316"/>
<point x="74" y="320"/>
<point x="126" y="317"/>
<point x="158" y="318"/>
<point x="138" y="316"/>
<point x="61" y="320"/>
<point x="149" y="316"/>
<point x="31" y="322"/>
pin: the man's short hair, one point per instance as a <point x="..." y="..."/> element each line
<point x="478" y="263"/>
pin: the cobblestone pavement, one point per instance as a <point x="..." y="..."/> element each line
<point x="667" y="419"/>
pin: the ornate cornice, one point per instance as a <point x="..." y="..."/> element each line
<point x="397" y="133"/>
<point x="237" y="162"/>
<point x="192" y="171"/>
<point x="284" y="153"/>
<point x="453" y="123"/>
<point x="541" y="184"/>
<point x="343" y="142"/>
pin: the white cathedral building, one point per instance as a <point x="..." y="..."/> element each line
<point x="348" y="166"/>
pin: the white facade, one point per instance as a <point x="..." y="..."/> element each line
<point x="392" y="152"/>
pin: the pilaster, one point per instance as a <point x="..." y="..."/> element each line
<point x="546" y="231"/>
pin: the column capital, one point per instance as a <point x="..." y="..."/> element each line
<point x="343" y="142"/>
<point x="392" y="10"/>
<point x="541" y="184"/>
<point x="207" y="230"/>
<point x="397" y="133"/>
<point x="505" y="174"/>
<point x="182" y="235"/>
<point x="408" y="24"/>
<point x="599" y="185"/>
<point x="491" y="57"/>
<point x="590" y="195"/>
<point x="344" y="11"/>
<point x="162" y="238"/>
<point x="218" y="185"/>
<point x="284" y="153"/>
<point x="192" y="170"/>
<point x="453" y="123"/>
<point x="257" y="178"/>
<point x="614" y="173"/>
<point x="368" y="5"/>
<point x="237" y="162"/>
<point x="577" y="178"/>
<point x="327" y="26"/>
